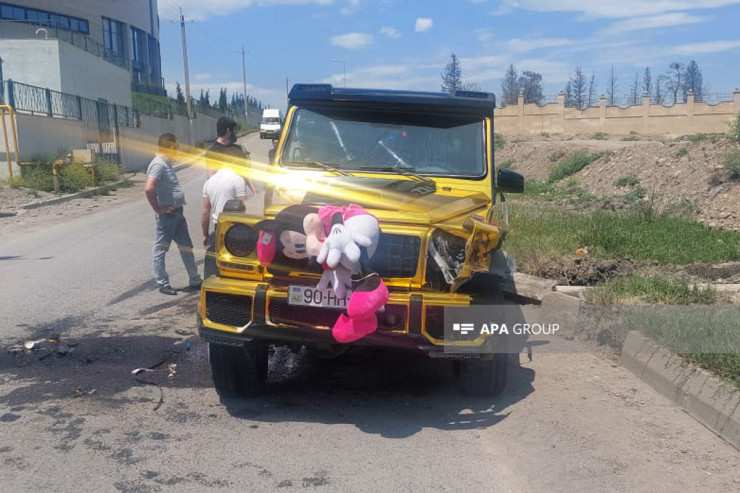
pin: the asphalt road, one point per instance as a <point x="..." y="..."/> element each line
<point x="78" y="420"/>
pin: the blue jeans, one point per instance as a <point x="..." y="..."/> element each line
<point x="173" y="227"/>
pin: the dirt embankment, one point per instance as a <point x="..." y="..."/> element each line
<point x="684" y="173"/>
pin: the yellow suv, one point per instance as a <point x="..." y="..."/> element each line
<point x="421" y="166"/>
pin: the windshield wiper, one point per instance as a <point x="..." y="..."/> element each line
<point x="325" y="166"/>
<point x="403" y="170"/>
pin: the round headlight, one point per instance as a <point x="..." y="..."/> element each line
<point x="240" y="240"/>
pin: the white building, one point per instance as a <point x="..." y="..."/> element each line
<point x="98" y="49"/>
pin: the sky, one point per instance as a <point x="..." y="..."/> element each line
<point x="405" y="44"/>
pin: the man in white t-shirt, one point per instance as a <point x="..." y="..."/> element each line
<point x="222" y="186"/>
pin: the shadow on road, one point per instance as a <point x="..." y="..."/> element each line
<point x="394" y="394"/>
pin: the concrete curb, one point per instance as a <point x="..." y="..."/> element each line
<point x="79" y="195"/>
<point x="705" y="397"/>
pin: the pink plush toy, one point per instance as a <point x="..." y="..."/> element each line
<point x="348" y="229"/>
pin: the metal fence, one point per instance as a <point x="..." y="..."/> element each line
<point x="25" y="98"/>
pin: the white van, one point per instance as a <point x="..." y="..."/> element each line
<point x="272" y="124"/>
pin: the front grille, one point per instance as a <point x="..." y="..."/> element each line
<point x="393" y="318"/>
<point x="303" y="316"/>
<point x="228" y="309"/>
<point x="396" y="256"/>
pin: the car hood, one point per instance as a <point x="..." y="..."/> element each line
<point x="397" y="200"/>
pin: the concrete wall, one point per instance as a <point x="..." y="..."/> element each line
<point x="41" y="137"/>
<point x="59" y="66"/>
<point x="138" y="145"/>
<point x="91" y="77"/>
<point x="43" y="72"/>
<point x="678" y="119"/>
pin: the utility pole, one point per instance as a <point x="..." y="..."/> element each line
<point x="244" y="79"/>
<point x="187" y="78"/>
<point x="287" y="92"/>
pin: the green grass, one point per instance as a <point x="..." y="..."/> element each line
<point x="697" y="138"/>
<point x="731" y="162"/>
<point x="631" y="138"/>
<point x="627" y="181"/>
<point x="599" y="136"/>
<point x="572" y="164"/>
<point x="682" y="152"/>
<point x="689" y="320"/>
<point x="650" y="290"/>
<point x="498" y="141"/>
<point x="540" y="233"/>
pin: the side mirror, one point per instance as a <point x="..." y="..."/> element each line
<point x="509" y="181"/>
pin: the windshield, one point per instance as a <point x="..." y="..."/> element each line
<point x="271" y="120"/>
<point x="447" y="145"/>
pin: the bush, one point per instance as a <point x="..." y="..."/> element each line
<point x="731" y="160"/>
<point x="599" y="136"/>
<point x="37" y="176"/>
<point x="735" y="129"/>
<point x="572" y="164"/>
<point x="682" y="152"/>
<point x="106" y="171"/>
<point x="74" y="177"/>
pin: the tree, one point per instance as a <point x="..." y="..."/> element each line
<point x="611" y="88"/>
<point x="592" y="89"/>
<point x="530" y="83"/>
<point x="659" y="95"/>
<point x="576" y="90"/>
<point x="452" y="75"/>
<point x="693" y="81"/>
<point x="205" y="98"/>
<point x="675" y="80"/>
<point x="222" y="101"/>
<point x="179" y="96"/>
<point x="510" y="87"/>
<point x="634" y="94"/>
<point x="470" y="85"/>
<point x="647" y="82"/>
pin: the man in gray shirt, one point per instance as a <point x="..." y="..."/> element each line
<point x="166" y="197"/>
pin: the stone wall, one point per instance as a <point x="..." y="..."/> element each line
<point x="651" y="119"/>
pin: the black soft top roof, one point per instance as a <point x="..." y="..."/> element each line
<point x="460" y="102"/>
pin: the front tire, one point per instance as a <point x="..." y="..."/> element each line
<point x="239" y="370"/>
<point x="484" y="377"/>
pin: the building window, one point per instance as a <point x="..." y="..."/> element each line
<point x="113" y="39"/>
<point x="138" y="45"/>
<point x="43" y="18"/>
<point x="155" y="69"/>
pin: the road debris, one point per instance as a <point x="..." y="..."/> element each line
<point x="79" y="392"/>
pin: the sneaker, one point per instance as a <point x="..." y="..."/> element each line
<point x="167" y="289"/>
<point x="193" y="287"/>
